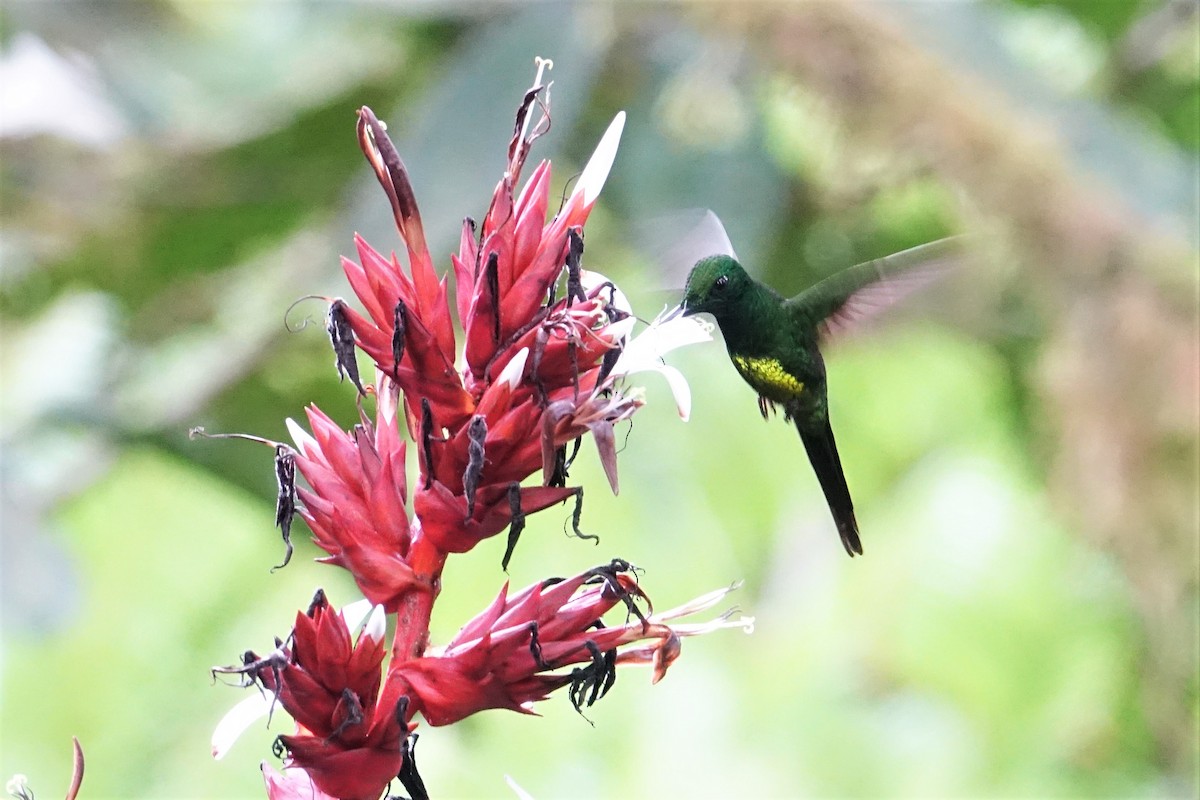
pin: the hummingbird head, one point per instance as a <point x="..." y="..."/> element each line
<point x="713" y="285"/>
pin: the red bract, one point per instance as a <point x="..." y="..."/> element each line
<point x="349" y="738"/>
<point x="506" y="656"/>
<point x="536" y="372"/>
<point x="355" y="507"/>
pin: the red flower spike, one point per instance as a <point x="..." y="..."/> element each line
<point x="358" y="774"/>
<point x="355" y="508"/>
<point x="533" y="375"/>
<point x="348" y="741"/>
<point x="513" y="653"/>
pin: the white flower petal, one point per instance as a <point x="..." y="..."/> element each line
<point x="591" y="181"/>
<point x="701" y="628"/>
<point x="644" y="353"/>
<point x="237" y="720"/>
<point x="18" y="785"/>
<point x="376" y="625"/>
<point x="646" y="350"/>
<point x="387" y="396"/>
<point x="697" y="604"/>
<point x="301" y="437"/>
<point x="364" y="619"/>
<point x="676" y="332"/>
<point x="511" y="374"/>
<point x="591" y="280"/>
<point x="517" y="790"/>
<point x="354" y="613"/>
<point x="622" y="328"/>
<point x="679" y="390"/>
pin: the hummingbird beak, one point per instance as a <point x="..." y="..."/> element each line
<point x="675" y="312"/>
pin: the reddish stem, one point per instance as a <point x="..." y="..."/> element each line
<point x="416" y="607"/>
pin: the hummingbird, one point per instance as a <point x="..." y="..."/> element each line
<point x="775" y="343"/>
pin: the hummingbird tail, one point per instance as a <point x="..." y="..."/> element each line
<point x="822" y="452"/>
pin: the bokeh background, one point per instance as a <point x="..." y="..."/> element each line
<point x="1021" y="443"/>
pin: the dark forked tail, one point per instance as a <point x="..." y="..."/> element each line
<point x="822" y="452"/>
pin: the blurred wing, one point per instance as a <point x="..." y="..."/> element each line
<point x="845" y="300"/>
<point x="678" y="239"/>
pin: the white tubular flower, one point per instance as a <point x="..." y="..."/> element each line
<point x="237" y="720"/>
<point x="644" y="353"/>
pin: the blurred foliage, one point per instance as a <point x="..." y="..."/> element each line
<point x="1022" y="443"/>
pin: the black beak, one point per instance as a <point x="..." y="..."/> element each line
<point x="679" y="310"/>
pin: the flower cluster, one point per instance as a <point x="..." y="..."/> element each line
<point x="546" y="349"/>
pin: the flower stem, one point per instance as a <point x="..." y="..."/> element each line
<point x="416" y="607"/>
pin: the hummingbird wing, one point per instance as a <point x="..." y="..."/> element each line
<point x="846" y="299"/>
<point x="676" y="240"/>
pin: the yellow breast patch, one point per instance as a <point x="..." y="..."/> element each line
<point x="769" y="377"/>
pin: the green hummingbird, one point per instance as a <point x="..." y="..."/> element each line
<point x="775" y="342"/>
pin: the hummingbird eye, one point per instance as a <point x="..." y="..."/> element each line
<point x="721" y="281"/>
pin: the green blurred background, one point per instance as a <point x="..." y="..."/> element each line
<point x="1022" y="443"/>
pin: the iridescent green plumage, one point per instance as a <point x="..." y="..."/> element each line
<point x="773" y="343"/>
